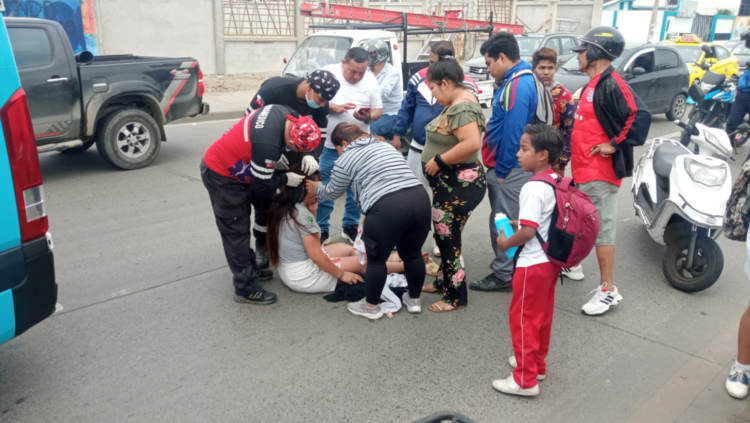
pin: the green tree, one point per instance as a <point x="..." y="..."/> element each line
<point x="724" y="12"/>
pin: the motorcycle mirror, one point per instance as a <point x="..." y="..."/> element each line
<point x="706" y="49"/>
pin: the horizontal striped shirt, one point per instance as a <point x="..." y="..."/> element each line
<point x="373" y="169"/>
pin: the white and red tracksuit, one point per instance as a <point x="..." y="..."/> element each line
<point x="534" y="280"/>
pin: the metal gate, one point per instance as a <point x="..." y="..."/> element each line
<point x="702" y="26"/>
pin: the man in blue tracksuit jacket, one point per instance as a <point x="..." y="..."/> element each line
<point x="513" y="107"/>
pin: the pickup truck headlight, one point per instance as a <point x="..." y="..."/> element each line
<point x="710" y="176"/>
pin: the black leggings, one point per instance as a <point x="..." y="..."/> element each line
<point x="400" y="219"/>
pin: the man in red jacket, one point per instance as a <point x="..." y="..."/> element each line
<point x="610" y="121"/>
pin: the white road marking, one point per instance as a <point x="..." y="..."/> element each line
<point x="58" y="308"/>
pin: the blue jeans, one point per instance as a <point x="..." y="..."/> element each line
<point x="351" y="214"/>
<point x="384" y="126"/>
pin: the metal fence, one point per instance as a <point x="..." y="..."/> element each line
<point x="260" y="18"/>
<point x="500" y="10"/>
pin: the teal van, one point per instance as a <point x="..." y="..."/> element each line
<point x="28" y="292"/>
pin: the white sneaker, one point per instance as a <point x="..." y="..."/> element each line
<point x="601" y="301"/>
<point x="436" y="251"/>
<point x="360" y="308"/>
<point x="573" y="273"/>
<point x="737" y="383"/>
<point x="413" y="305"/>
<point x="513" y="363"/>
<point x="509" y="386"/>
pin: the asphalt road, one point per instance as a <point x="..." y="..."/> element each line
<point x="149" y="331"/>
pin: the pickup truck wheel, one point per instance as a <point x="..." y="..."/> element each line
<point x="129" y="139"/>
<point x="77" y="150"/>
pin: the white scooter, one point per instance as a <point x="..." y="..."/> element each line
<point x="680" y="195"/>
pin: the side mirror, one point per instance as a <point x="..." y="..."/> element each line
<point x="85" y="57"/>
<point x="284" y="60"/>
<point x="706" y="49"/>
<point x="639" y="71"/>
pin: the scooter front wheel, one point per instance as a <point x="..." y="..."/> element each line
<point x="707" y="264"/>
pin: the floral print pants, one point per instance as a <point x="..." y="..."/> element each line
<point x="455" y="194"/>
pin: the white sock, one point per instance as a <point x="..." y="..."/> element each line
<point x="741" y="367"/>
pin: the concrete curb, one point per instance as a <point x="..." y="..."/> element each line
<point x="211" y="116"/>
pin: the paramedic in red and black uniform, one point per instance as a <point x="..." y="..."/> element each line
<point x="309" y="97"/>
<point x="239" y="172"/>
<point x="610" y="120"/>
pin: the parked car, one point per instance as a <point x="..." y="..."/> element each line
<point x="731" y="44"/>
<point x="743" y="55"/>
<point x="28" y="291"/>
<point x="690" y="48"/>
<point x="528" y="44"/>
<point x="656" y="73"/>
<point x="121" y="102"/>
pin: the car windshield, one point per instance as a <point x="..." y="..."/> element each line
<point x="690" y="54"/>
<point x="529" y="45"/>
<point x="572" y="64"/>
<point x="315" y="52"/>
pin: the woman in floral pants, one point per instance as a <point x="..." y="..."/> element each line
<point x="455" y="175"/>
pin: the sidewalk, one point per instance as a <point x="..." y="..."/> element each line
<point x="696" y="393"/>
<point x="224" y="105"/>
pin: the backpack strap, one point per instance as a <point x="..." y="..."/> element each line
<point x="555" y="184"/>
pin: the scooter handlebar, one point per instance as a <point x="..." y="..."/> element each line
<point x="693" y="130"/>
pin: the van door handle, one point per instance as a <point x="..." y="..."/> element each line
<point x="56" y="79"/>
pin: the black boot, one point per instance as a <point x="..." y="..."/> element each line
<point x="261" y="256"/>
<point x="491" y="284"/>
<point x="260" y="297"/>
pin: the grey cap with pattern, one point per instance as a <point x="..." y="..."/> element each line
<point x="324" y="84"/>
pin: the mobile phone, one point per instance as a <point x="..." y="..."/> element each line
<point x="364" y="109"/>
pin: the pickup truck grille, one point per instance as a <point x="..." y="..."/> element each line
<point x="477" y="70"/>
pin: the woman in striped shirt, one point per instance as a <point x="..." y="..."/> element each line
<point x="396" y="206"/>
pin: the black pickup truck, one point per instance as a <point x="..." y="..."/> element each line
<point x="121" y="102"/>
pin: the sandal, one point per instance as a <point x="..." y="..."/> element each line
<point x="437" y="307"/>
<point x="431" y="268"/>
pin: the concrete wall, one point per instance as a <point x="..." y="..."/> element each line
<point x="158" y="28"/>
<point x="634" y="25"/>
<point x="534" y="13"/>
<point x="257" y="56"/>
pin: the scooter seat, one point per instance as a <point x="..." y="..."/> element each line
<point x="664" y="157"/>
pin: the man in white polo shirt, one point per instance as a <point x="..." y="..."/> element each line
<point x="357" y="101"/>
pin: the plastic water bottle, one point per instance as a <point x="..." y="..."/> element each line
<point x="502" y="222"/>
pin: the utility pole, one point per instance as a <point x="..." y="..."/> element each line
<point x="652" y="27"/>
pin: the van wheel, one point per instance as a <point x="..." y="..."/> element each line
<point x="708" y="263"/>
<point x="128" y="139"/>
<point x="77" y="150"/>
<point x="677" y="109"/>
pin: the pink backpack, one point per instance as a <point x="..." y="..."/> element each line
<point x="574" y="226"/>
